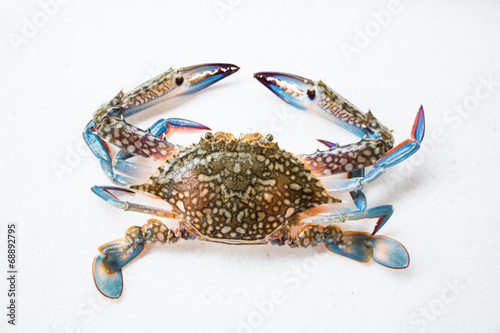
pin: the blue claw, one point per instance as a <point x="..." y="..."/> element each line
<point x="290" y="88"/>
<point x="108" y="284"/>
<point x="389" y="253"/>
<point x="306" y="94"/>
<point x="173" y="83"/>
<point x="185" y="81"/>
<point x="199" y="77"/>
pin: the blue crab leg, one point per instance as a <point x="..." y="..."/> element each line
<point x="113" y="256"/>
<point x="136" y="173"/>
<point x="108" y="284"/>
<point x="104" y="193"/>
<point x="357" y="196"/>
<point x="316" y="96"/>
<point x="343" y="214"/>
<point x="359" y="246"/>
<point x="391" y="158"/>
<point x="131" y="173"/>
<point x="162" y="127"/>
<point x="108" y="122"/>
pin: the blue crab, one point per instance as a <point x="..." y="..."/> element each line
<point x="242" y="190"/>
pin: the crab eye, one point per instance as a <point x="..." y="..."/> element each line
<point x="179" y="80"/>
<point x="311" y="93"/>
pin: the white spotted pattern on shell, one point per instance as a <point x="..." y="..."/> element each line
<point x="236" y="189"/>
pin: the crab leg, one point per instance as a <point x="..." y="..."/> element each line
<point x="108" y="264"/>
<point x="376" y="145"/>
<point x="357" y="196"/>
<point x="108" y="122"/>
<point x="104" y="193"/>
<point x="391" y="158"/>
<point x="136" y="173"/>
<point x="343" y="214"/>
<point x="359" y="246"/>
<point x="159" y="129"/>
<point x="162" y="127"/>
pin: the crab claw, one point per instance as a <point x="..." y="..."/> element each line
<point x="171" y="84"/>
<point x="194" y="78"/>
<point x="293" y="89"/>
<point x="317" y="97"/>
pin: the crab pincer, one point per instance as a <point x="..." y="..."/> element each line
<point x="108" y="126"/>
<point x="377" y="141"/>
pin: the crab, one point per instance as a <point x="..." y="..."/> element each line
<point x="242" y="190"/>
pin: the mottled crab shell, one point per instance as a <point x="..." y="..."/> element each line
<point x="236" y="189"/>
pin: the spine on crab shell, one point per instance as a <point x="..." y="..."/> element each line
<point x="359" y="246"/>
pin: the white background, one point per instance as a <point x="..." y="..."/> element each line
<point x="57" y="68"/>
